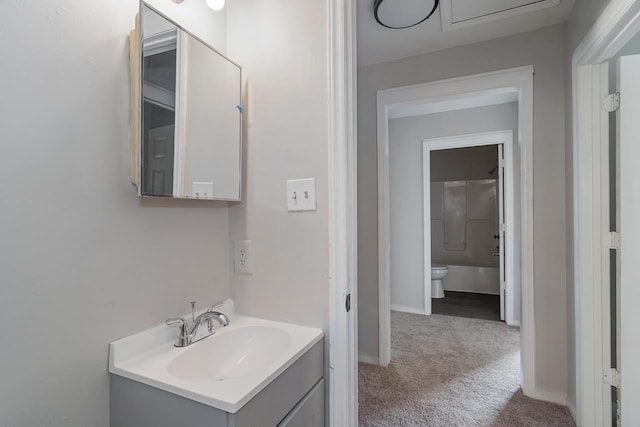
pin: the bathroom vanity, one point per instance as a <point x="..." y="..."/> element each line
<point x="253" y="372"/>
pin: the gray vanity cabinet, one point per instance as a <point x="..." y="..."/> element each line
<point x="293" y="399"/>
<point x="309" y="412"/>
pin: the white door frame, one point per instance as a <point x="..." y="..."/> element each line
<point x="519" y="80"/>
<point x="505" y="138"/>
<point x="619" y="22"/>
<point x="342" y="338"/>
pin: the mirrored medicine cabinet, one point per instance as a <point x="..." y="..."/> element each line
<point x="189" y="114"/>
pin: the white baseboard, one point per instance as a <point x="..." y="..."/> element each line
<point x="404" y="309"/>
<point x="365" y="358"/>
<point x="552" y="396"/>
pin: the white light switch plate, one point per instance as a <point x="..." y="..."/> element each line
<point x="202" y="190"/>
<point x="301" y="195"/>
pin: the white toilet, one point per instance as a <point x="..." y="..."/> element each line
<point x="438" y="271"/>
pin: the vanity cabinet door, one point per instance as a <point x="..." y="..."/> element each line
<point x="309" y="412"/>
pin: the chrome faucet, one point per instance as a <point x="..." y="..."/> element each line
<point x="187" y="334"/>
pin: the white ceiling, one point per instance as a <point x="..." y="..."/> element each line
<point x="472" y="21"/>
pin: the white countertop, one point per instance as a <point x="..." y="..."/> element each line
<point x="147" y="356"/>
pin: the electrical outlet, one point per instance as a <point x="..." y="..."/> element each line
<point x="242" y="257"/>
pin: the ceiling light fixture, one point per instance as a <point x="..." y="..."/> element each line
<point x="215" y="4"/>
<point x="399" y="14"/>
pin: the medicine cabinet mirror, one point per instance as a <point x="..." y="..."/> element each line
<point x="190" y="112"/>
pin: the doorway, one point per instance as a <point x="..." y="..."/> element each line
<point x="475" y="269"/>
<point x="447" y="95"/>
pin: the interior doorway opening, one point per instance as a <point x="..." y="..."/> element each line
<point x="466" y="214"/>
<point x="470" y="228"/>
<point x="494" y="88"/>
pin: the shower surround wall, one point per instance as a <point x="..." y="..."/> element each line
<point x="405" y="162"/>
<point x="464" y="220"/>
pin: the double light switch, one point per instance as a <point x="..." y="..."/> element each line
<point x="301" y="195"/>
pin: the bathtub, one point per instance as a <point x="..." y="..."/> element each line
<point x="481" y="279"/>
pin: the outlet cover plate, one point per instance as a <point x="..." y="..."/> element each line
<point x="242" y="257"/>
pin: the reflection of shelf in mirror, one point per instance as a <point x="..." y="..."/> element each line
<point x="202" y="190"/>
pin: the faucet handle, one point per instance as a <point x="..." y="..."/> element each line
<point x="183" y="337"/>
<point x="175" y="320"/>
<point x="184" y="325"/>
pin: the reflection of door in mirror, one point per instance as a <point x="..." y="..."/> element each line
<point x="158" y="109"/>
<point x="158" y="150"/>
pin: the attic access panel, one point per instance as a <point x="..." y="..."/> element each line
<point x="464" y="13"/>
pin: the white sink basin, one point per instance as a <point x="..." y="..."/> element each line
<point x="231" y="354"/>
<point x="224" y="370"/>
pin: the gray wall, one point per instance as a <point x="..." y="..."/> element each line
<point x="582" y="17"/>
<point x="544" y="49"/>
<point x="285" y="137"/>
<point x="579" y="22"/>
<point x="406" y="189"/>
<point x="83" y="260"/>
<point x="471" y="163"/>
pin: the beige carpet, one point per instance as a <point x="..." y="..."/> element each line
<point x="451" y="371"/>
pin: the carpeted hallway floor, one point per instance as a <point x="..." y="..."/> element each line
<point x="451" y="371"/>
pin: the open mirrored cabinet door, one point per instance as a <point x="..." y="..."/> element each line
<point x="190" y="115"/>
